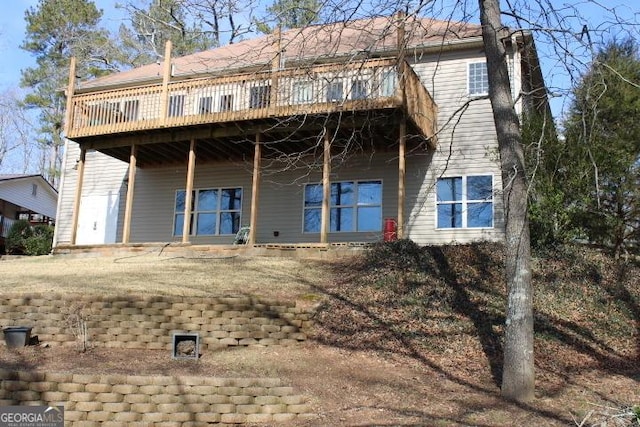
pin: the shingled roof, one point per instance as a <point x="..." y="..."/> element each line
<point x="316" y="42"/>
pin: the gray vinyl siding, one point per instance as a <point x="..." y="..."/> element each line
<point x="155" y="192"/>
<point x="280" y="206"/>
<point x="467" y="145"/>
<point x="281" y="199"/>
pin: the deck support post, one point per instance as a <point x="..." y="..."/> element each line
<point x="326" y="189"/>
<point x="126" y="230"/>
<point x="275" y="68"/>
<point x="255" y="191"/>
<point x="70" y="90"/>
<point x="166" y="76"/>
<point x="76" y="201"/>
<point x="188" y="197"/>
<point x="402" y="148"/>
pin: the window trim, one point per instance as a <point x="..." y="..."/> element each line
<point x="353" y="206"/>
<point x="476" y="94"/>
<point x="218" y="212"/>
<point x="464" y="202"/>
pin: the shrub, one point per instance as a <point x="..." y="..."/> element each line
<point x="40" y="242"/>
<point x="18" y="233"/>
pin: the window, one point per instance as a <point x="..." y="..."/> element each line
<point x="388" y="83"/>
<point x="204" y="105"/>
<point x="226" y="103"/>
<point x="260" y="96"/>
<point x="334" y="91"/>
<point x="478" y="79"/>
<point x="176" y="105"/>
<point x="302" y="92"/>
<point x="355" y="206"/>
<point x="213" y="212"/>
<point x="130" y="110"/>
<point x="34" y="190"/>
<point x="359" y="89"/>
<point x="465" y="202"/>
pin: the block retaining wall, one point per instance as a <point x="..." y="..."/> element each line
<point x="150" y="322"/>
<point x="126" y="400"/>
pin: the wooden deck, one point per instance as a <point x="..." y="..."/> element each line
<point x="363" y="85"/>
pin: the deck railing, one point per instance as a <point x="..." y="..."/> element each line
<point x="360" y="85"/>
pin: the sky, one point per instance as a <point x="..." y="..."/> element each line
<point x="12" y="30"/>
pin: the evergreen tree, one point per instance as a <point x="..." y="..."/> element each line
<point x="600" y="173"/>
<point x="56" y="31"/>
<point x="291" y="14"/>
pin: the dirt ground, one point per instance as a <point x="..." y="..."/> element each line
<point x="359" y="388"/>
<point x="426" y="353"/>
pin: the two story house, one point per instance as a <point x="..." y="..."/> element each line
<point x="323" y="135"/>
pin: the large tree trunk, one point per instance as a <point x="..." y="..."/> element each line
<point x="518" y="368"/>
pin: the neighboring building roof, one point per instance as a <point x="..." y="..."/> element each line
<point x="9" y="177"/>
<point x="317" y="42"/>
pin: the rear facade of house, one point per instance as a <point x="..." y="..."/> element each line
<point x="324" y="135"/>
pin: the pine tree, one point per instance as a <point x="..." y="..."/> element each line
<point x="601" y="171"/>
<point x="56" y="31"/>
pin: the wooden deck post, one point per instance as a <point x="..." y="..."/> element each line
<point x="275" y="68"/>
<point x="76" y="200"/>
<point x="255" y="191"/>
<point x="188" y="199"/>
<point x="126" y="231"/>
<point x="326" y="189"/>
<point x="70" y="90"/>
<point x="166" y="76"/>
<point x="402" y="143"/>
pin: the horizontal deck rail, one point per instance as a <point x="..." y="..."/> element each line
<point x="357" y="86"/>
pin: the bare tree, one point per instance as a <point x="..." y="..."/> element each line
<point x="18" y="151"/>
<point x="518" y="377"/>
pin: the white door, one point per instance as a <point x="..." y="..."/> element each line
<point x="98" y="219"/>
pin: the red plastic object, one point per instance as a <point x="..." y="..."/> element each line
<point x="390" y="230"/>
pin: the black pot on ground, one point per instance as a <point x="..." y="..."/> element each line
<point x="17" y="336"/>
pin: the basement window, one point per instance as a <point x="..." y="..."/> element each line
<point x="355" y="206"/>
<point x="214" y="211"/>
<point x="464" y="202"/>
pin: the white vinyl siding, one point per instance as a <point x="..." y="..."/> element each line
<point x="104" y="177"/>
